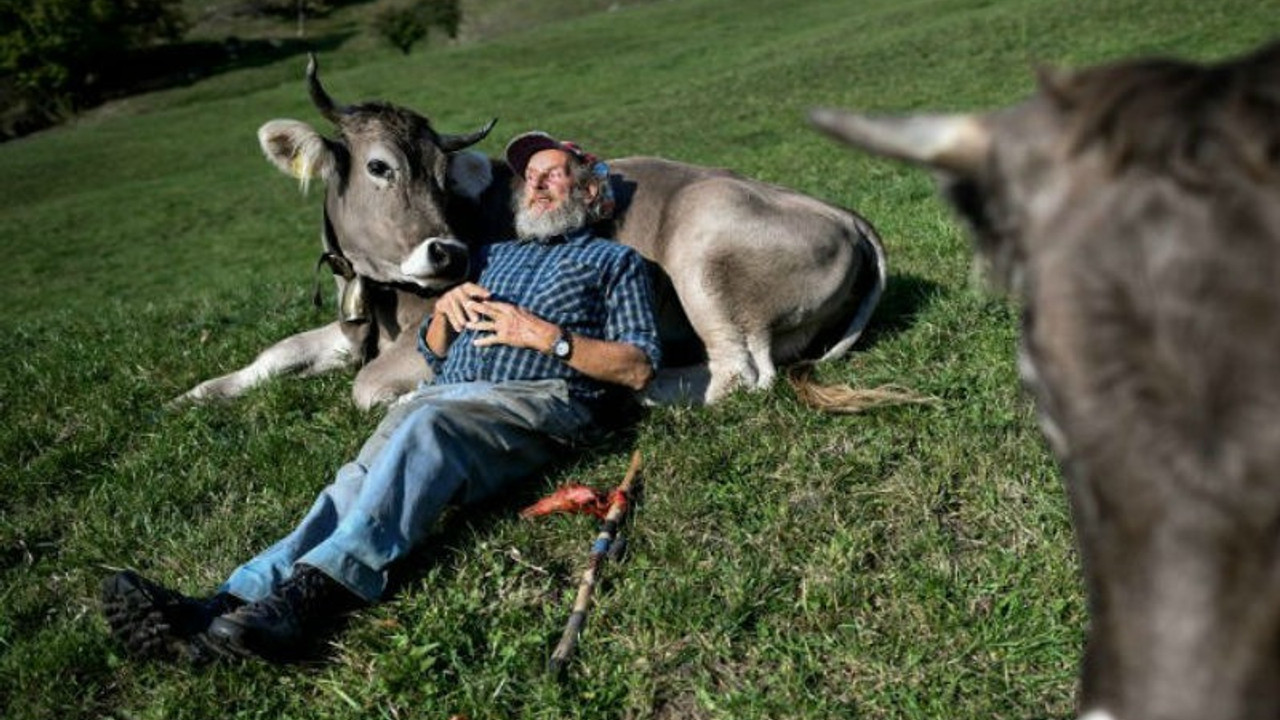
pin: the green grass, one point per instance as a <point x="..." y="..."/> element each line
<point x="914" y="562"/>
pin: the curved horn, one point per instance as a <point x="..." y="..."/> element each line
<point x="958" y="143"/>
<point x="331" y="112"/>
<point x="449" y="143"/>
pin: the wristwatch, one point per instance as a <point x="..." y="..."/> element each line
<point x="562" y="348"/>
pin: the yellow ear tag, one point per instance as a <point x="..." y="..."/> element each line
<point x="297" y="166"/>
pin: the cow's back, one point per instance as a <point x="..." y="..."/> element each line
<point x="763" y="250"/>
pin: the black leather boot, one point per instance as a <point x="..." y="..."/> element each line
<point x="283" y="625"/>
<point x="155" y="622"/>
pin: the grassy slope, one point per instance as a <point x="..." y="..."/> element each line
<point x="910" y="563"/>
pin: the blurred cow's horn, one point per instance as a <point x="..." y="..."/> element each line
<point x="449" y="143"/>
<point x="958" y="143"/>
<point x="331" y="112"/>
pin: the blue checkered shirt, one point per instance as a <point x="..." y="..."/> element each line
<point x="587" y="285"/>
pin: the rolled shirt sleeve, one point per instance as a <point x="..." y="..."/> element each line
<point x="434" y="361"/>
<point x="630" y="301"/>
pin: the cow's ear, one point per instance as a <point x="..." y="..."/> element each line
<point x="297" y="149"/>
<point x="956" y="144"/>
<point x="1056" y="85"/>
<point x="470" y="172"/>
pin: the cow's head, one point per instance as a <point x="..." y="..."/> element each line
<point x="1135" y="208"/>
<point x="389" y="178"/>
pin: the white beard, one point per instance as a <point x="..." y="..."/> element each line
<point x="569" y="215"/>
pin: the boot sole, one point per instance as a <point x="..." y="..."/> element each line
<point x="137" y="620"/>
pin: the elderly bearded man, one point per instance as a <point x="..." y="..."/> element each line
<point x="529" y="358"/>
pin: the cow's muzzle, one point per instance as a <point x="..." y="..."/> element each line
<point x="437" y="262"/>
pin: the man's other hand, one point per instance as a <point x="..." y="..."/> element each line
<point x="510" y="325"/>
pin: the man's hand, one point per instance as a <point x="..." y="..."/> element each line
<point x="470" y="306"/>
<point x="510" y="325"/>
<point x="457" y="305"/>
<point x="451" y="315"/>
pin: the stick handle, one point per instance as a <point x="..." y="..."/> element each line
<point x="599" y="549"/>
<point x="633" y="471"/>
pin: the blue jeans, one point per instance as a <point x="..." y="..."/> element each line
<point x="462" y="442"/>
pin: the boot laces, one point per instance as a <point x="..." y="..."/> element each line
<point x="305" y="593"/>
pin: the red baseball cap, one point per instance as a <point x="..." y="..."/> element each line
<point x="525" y="146"/>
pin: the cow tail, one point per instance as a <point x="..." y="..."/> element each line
<point x="846" y="400"/>
<point x="843" y="399"/>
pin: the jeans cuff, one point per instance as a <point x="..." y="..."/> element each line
<point x="354" y="575"/>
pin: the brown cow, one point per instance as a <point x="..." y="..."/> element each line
<point x="749" y="275"/>
<point x="395" y="190"/>
<point x="1135" y="208"/>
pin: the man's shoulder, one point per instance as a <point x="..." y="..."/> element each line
<point x="485" y="251"/>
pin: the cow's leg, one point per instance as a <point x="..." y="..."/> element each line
<point x="730" y="345"/>
<point x="760" y="345"/>
<point x="308" y="353"/>
<point x="395" y="372"/>
<point x="739" y="364"/>
<point x="729" y="362"/>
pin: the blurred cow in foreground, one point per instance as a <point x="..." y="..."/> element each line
<point x="748" y="275"/>
<point x="1135" y="209"/>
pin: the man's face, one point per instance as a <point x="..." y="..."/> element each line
<point x="547" y="181"/>
<point x="549" y="203"/>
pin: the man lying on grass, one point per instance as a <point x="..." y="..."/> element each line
<point x="530" y="359"/>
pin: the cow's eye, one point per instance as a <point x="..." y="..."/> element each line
<point x="379" y="169"/>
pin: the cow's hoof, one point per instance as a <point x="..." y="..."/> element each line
<point x="185" y="400"/>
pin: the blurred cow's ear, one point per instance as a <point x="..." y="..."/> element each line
<point x="297" y="150"/>
<point x="956" y="144"/>
<point x="1054" y="84"/>
<point x="470" y="172"/>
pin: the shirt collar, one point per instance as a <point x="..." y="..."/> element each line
<point x="580" y="235"/>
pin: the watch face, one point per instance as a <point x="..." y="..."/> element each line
<point x="561" y="348"/>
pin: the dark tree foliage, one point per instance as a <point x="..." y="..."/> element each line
<point x="446" y="15"/>
<point x="405" y="25"/>
<point x="53" y="51"/>
<point x="289" y="9"/>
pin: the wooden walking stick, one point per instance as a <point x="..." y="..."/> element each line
<point x="619" y="502"/>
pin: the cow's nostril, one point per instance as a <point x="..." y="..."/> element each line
<point x="438" y="255"/>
